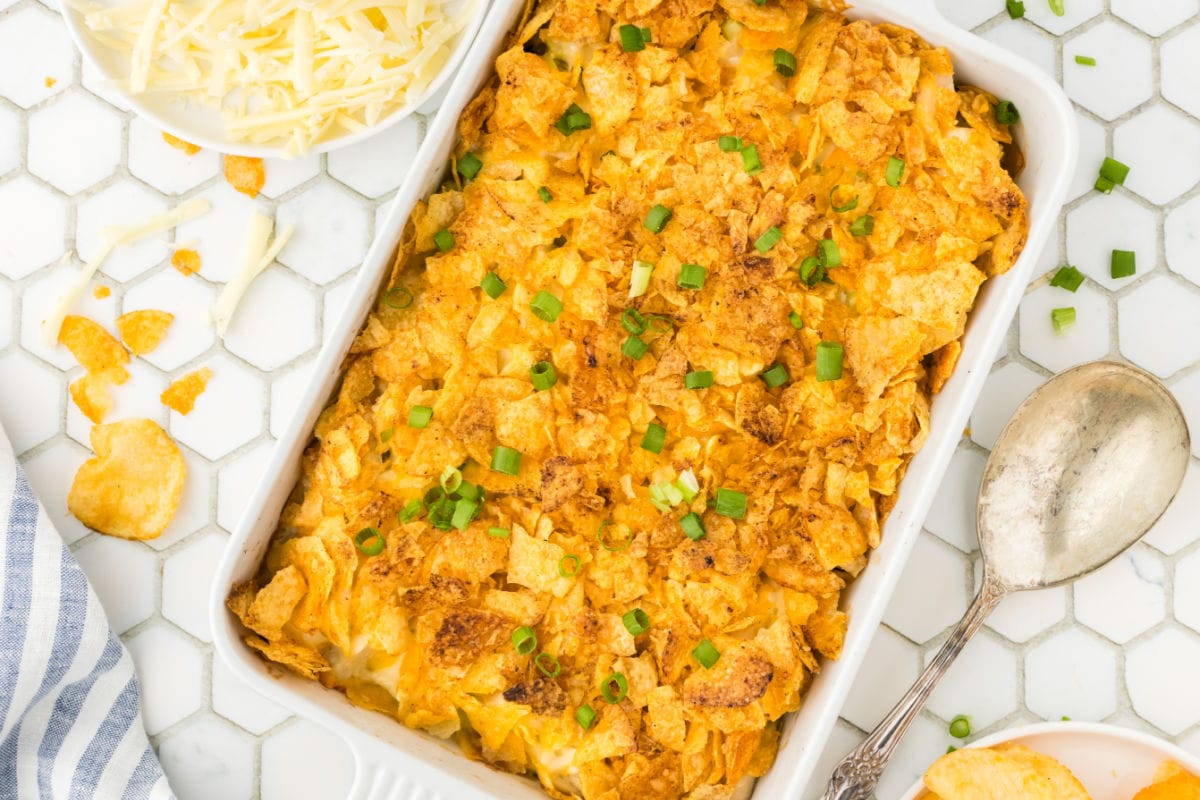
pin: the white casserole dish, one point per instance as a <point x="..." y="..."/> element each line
<point x="395" y="762"/>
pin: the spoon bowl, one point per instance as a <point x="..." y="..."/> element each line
<point x="1085" y="467"/>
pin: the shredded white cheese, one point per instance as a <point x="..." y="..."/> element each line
<point x="282" y="72"/>
<point x="111" y="238"/>
<point x="257" y="253"/>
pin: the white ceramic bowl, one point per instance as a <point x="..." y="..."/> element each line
<point x="396" y="762"/>
<point x="1112" y="763"/>
<point x="203" y="126"/>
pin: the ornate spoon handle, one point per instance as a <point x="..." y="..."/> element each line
<point x="857" y="774"/>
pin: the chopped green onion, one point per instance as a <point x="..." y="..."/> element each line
<point x="619" y="546"/>
<point x="1016" y="8"/>
<point x="545" y="194"/>
<point x="655" y="438"/>
<point x="614" y="688"/>
<point x="811" y="271"/>
<point x="633" y="321"/>
<point x="853" y="204"/>
<point x="1057" y="7"/>
<point x="451" y="479"/>
<point x="634" y="348"/>
<point x="369" y="541"/>
<point x="434" y="495"/>
<point x="410" y="511"/>
<point x="1062" y="319"/>
<point x="636" y="622"/>
<point x="506" y="460"/>
<point x="469" y="166"/>
<point x="706" y="654"/>
<point x="829" y="253"/>
<point x="730" y="503"/>
<point x="1114" y="170"/>
<point x="499" y="533"/>
<point x="398" y="297"/>
<point x="647" y="37"/>
<point x="419" y="416"/>
<point x="829" y="361"/>
<point x="950" y="749"/>
<point x="1086" y="61"/>
<point x="639" y="279"/>
<point x="769" y="239"/>
<point x="492" y="285"/>
<point x="775" y="375"/>
<point x="386" y="436"/>
<point x="631" y="38"/>
<point x="441" y="514"/>
<point x="693" y="526"/>
<point x="1103" y="184"/>
<point x="796" y="320"/>
<point x="729" y="144"/>
<point x="524" y="640"/>
<point x="464" y="511"/>
<point x="657" y="219"/>
<point x="750" y="160"/>
<point x="894" y="172"/>
<point x="444" y="240"/>
<point x="585" y="716"/>
<point x="1067" y="278"/>
<point x="1007" y="113"/>
<point x="469" y="490"/>
<point x="573" y="119"/>
<point x="547" y="664"/>
<point x="960" y="727"/>
<point x="760" y="2"/>
<point x="699" y="379"/>
<point x="692" y="276"/>
<point x="863" y="226"/>
<point x="568" y="565"/>
<point x="785" y="63"/>
<point x="1124" y="263"/>
<point x="659" y="323"/>
<point x="543" y="376"/>
<point x="546" y="306"/>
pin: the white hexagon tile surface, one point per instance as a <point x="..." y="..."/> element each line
<point x="1115" y="647"/>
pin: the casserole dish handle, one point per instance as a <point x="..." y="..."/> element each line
<point x="380" y="775"/>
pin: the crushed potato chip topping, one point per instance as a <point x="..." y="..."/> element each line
<point x="104" y="359"/>
<point x="143" y="330"/>
<point x="179" y="144"/>
<point x="247" y="175"/>
<point x="585" y="161"/>
<point x="131" y="488"/>
<point x="186" y="261"/>
<point x="181" y="395"/>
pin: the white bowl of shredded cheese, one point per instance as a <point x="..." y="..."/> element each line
<point x="274" y="77"/>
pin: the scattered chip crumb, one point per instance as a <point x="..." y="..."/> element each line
<point x="180" y="144"/>
<point x="91" y="392"/>
<point x="247" y="175"/>
<point x="101" y="291"/>
<point x="186" y="261"/>
<point x="142" y="331"/>
<point x="132" y="487"/>
<point x="50" y="81"/>
<point x="104" y="359"/>
<point x="181" y="395"/>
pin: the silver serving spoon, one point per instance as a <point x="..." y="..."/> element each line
<point x="1083" y="469"/>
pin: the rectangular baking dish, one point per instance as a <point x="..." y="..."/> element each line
<point x="397" y="763"/>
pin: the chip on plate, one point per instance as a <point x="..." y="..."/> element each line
<point x="181" y="395"/>
<point x="1171" y="782"/>
<point x="143" y="330"/>
<point x="1004" y="772"/>
<point x="186" y="261"/>
<point x="245" y="174"/>
<point x="131" y="488"/>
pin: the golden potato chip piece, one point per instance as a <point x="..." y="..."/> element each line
<point x="49" y="81"/>
<point x="91" y="392"/>
<point x="180" y="144"/>
<point x="181" y="395"/>
<point x="301" y="660"/>
<point x="186" y="261"/>
<point x="143" y="330"/>
<point x="101" y="291"/>
<point x="247" y="175"/>
<point x="273" y="606"/>
<point x="92" y="346"/>
<point x="131" y="488"/>
<point x="991" y="774"/>
<point x="1063" y="782"/>
<point x="1171" y="782"/>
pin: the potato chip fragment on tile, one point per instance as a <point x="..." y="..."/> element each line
<point x="93" y="347"/>
<point x="179" y="144"/>
<point x="247" y="175"/>
<point x="185" y="260"/>
<point x="132" y="487"/>
<point x="91" y="392"/>
<point x="181" y="394"/>
<point x="100" y="292"/>
<point x="143" y="330"/>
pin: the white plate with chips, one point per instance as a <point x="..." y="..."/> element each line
<point x="327" y="76"/>
<point x="1112" y="763"/>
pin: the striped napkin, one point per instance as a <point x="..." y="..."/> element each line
<point x="70" y="721"/>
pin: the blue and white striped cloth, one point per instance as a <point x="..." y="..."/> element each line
<point x="70" y="721"/>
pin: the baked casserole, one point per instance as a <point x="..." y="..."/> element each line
<point x="640" y="390"/>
